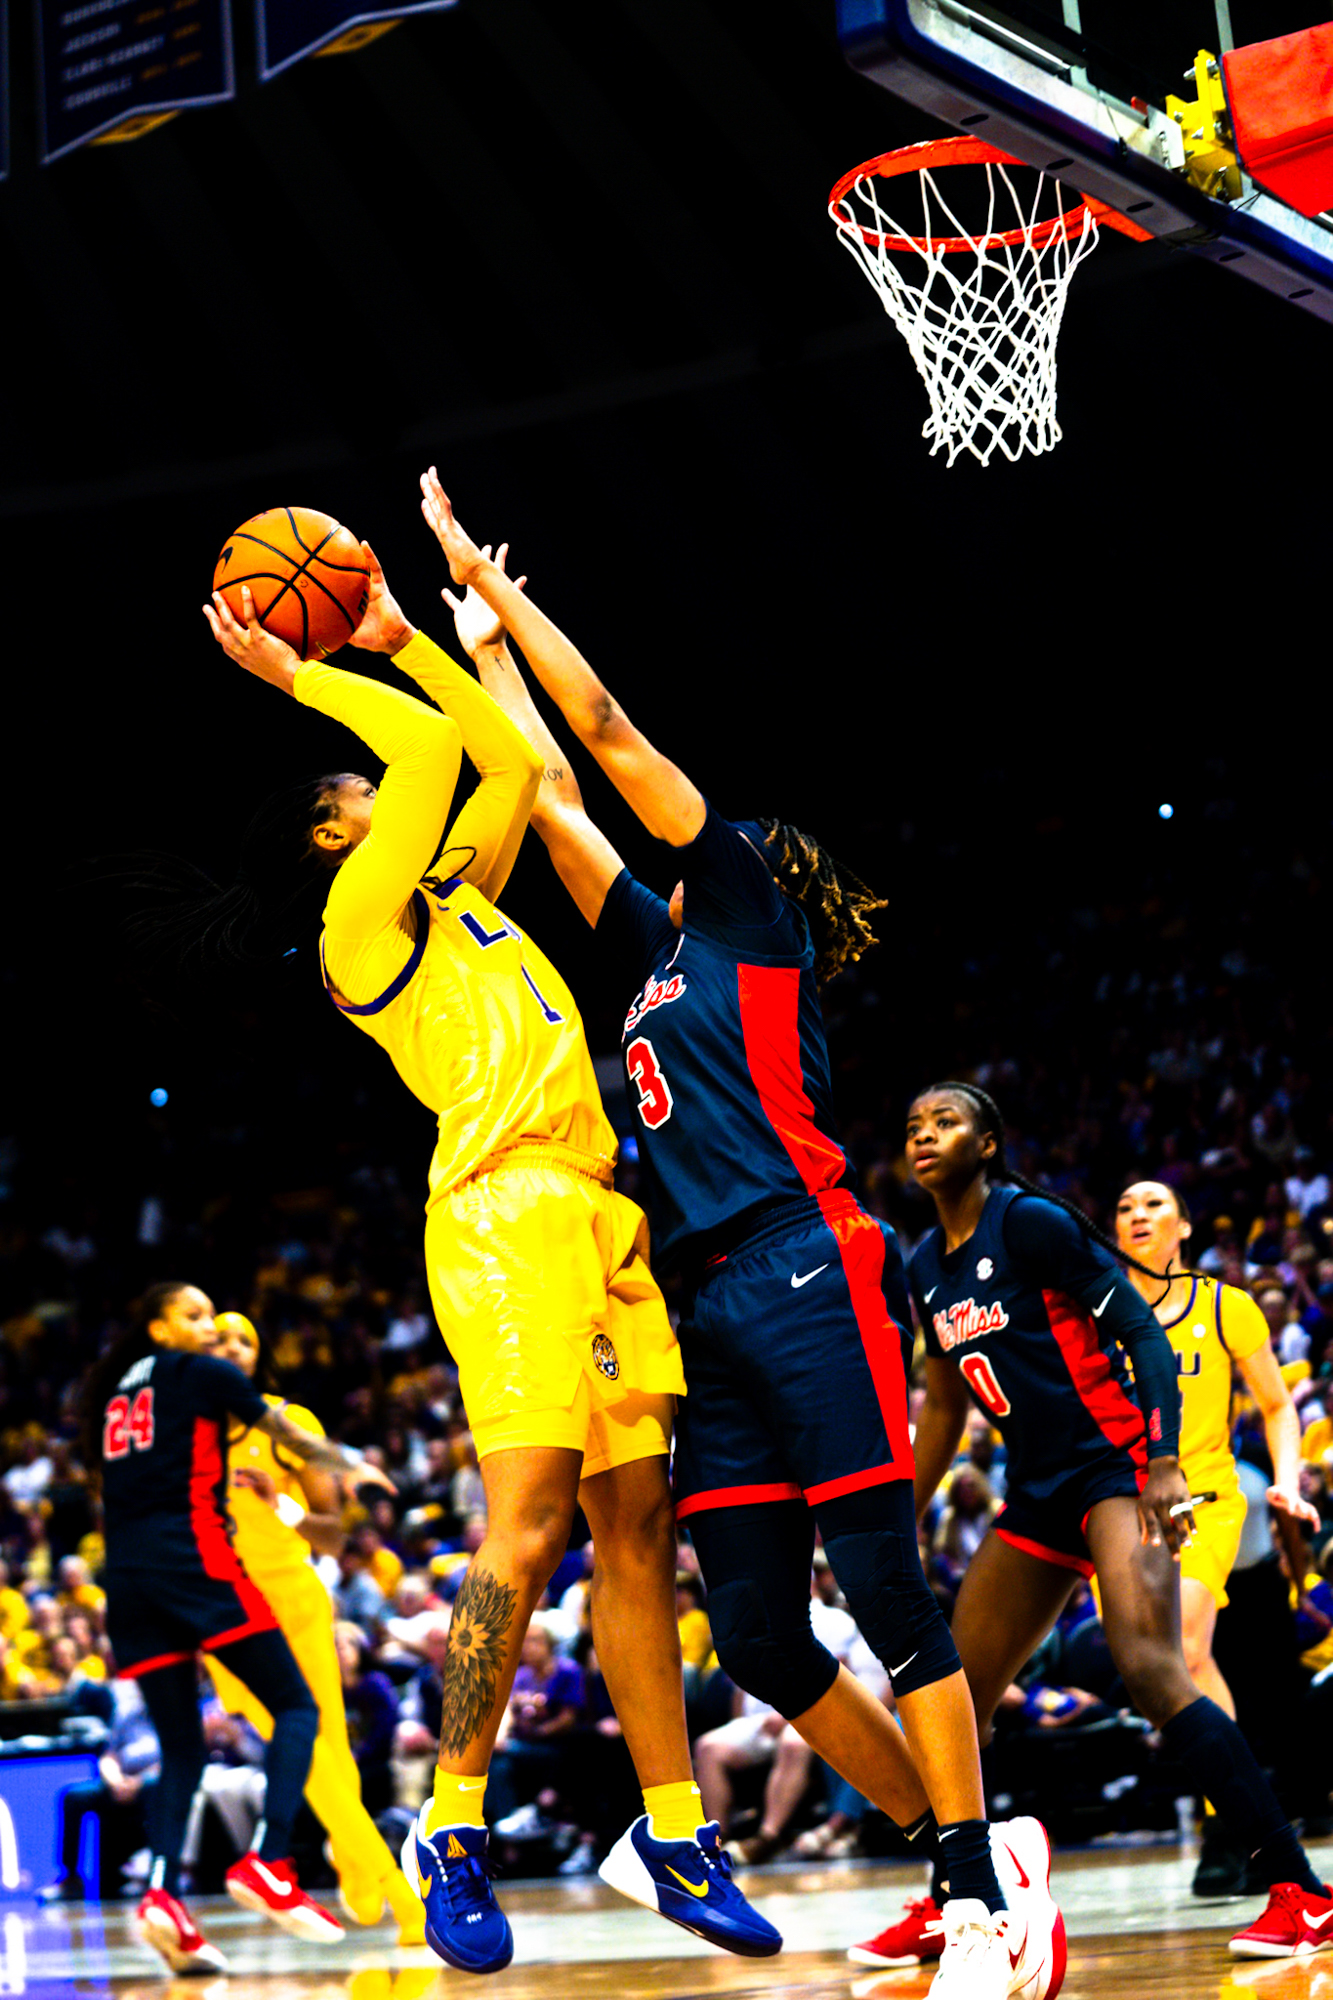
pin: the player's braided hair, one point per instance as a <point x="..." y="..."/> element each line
<point x="126" y="1348"/>
<point x="181" y="920"/>
<point x="988" y="1119"/>
<point x="836" y="903"/>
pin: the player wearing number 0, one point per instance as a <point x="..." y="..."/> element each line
<point x="282" y="1509"/>
<point x="794" y="1335"/>
<point x="157" y="1409"/>
<point x="538" y="1269"/>
<point x="1211" y="1327"/>
<point x="1023" y="1305"/>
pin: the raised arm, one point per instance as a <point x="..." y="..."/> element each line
<point x="670" y="806"/>
<point x="580" y="852"/>
<point x="348" y="1467"/>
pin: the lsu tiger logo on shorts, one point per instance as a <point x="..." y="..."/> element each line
<point x="605" y="1357"/>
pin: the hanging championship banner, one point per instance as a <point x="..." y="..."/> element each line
<point x="112" y="69"/>
<point x="286" y="30"/>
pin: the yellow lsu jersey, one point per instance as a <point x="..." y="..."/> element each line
<point x="269" y="1549"/>
<point x="482" y="1028"/>
<point x="1218" y="1326"/>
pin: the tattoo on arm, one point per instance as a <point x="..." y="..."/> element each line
<point x="555" y="772"/>
<point x="478" y="1641"/>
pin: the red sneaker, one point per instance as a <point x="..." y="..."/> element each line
<point x="167" y="1925"/>
<point x="1036" y="1932"/>
<point x="271" y="1888"/>
<point x="1294" y="1925"/>
<point x="915" y="1940"/>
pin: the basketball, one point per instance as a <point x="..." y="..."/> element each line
<point x="308" y="577"/>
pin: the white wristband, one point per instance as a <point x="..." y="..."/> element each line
<point x="289" y="1510"/>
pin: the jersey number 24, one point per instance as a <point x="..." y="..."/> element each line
<point x="128" y="1425"/>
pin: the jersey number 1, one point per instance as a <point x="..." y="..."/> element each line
<point x="655" y="1099"/>
<point x="980" y="1378"/>
<point x="128" y="1424"/>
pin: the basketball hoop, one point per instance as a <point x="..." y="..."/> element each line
<point x="981" y="329"/>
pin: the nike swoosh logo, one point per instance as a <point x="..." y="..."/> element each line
<point x="1024" y="1880"/>
<point x="695" y="1888"/>
<point x="906" y="1663"/>
<point x="930" y="1294"/>
<point x="278" y="1887"/>
<point x="1316" y="1923"/>
<point x="1097" y="1311"/>
<point x="796" y="1284"/>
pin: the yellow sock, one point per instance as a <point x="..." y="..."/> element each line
<point x="456" y="1802"/>
<point x="676" y="1811"/>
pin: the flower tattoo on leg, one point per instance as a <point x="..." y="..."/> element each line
<point x="478" y="1638"/>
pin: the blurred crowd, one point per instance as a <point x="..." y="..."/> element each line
<point x="1189" y="1065"/>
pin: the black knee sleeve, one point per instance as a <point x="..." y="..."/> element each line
<point x="778" y="1661"/>
<point x="870" y="1541"/>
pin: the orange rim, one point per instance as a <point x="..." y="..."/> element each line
<point x="965" y="152"/>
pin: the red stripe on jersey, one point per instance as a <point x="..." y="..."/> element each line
<point x="855" y="1482"/>
<point x="216" y="1553"/>
<point x="769" y="997"/>
<point x="1060" y="1557"/>
<point x="1116" y="1415"/>
<point x="151" y="1666"/>
<point x="737" y="1496"/>
<point x="860" y="1243"/>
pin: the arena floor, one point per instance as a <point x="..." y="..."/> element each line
<point x="1133" y="1929"/>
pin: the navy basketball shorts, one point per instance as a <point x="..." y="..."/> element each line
<point x="1050" y="1524"/>
<point x="155" y="1617"/>
<point x="796" y="1367"/>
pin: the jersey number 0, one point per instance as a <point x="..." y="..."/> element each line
<point x="128" y="1425"/>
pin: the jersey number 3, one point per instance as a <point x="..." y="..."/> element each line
<point x="980" y="1379"/>
<point x="655" y="1100"/>
<point x="128" y="1425"/>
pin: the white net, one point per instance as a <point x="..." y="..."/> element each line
<point x="980" y="309"/>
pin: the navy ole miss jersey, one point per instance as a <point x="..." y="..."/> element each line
<point x="164" y="1460"/>
<point x="723" y="1045"/>
<point x="1038" y="1317"/>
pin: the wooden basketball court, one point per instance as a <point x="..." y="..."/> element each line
<point x="1133" y="1929"/>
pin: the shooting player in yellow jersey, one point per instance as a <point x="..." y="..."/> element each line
<point x="282" y="1512"/>
<point x="567" y="1361"/>
<point x="1211" y="1326"/>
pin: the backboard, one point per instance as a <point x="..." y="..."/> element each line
<point x="1079" y="88"/>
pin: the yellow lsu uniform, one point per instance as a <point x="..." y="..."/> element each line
<point x="277" y="1558"/>
<point x="538" y="1269"/>
<point x="1219" y="1325"/>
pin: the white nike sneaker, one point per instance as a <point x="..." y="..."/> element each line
<point x="1021" y="1852"/>
<point x="975" y="1963"/>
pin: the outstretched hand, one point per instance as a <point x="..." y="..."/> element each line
<point x="474" y="621"/>
<point x="383" y="629"/>
<point x="258" y="651"/>
<point x="1283" y="1501"/>
<point x="464" y="557"/>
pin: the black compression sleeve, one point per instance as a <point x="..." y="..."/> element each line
<point x="1048" y="1247"/>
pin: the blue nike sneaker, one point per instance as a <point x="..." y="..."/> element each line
<point x="690" y="1882"/>
<point x="464" y="1923"/>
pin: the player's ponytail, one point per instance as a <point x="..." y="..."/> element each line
<point x="989" y="1120"/>
<point x="133" y="1341"/>
<point x="180" y="921"/>
<point x="837" y="904"/>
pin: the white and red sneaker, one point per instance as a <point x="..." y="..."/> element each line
<point x="976" y="1962"/>
<point x="271" y="1888"/>
<point x="916" y="1939"/>
<point x="1295" y="1924"/>
<point x="165" y="1923"/>
<point x="1021" y="1852"/>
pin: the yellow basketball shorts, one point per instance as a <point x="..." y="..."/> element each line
<point x="1217" y="1531"/>
<point x="540" y="1281"/>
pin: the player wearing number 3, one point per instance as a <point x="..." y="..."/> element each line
<point x="538" y="1270"/>
<point x="794" y="1331"/>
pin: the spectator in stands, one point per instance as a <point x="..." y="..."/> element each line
<point x="127" y="1767"/>
<point x="545" y="1707"/>
<point x="356" y="1595"/>
<point x="372" y="1715"/>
